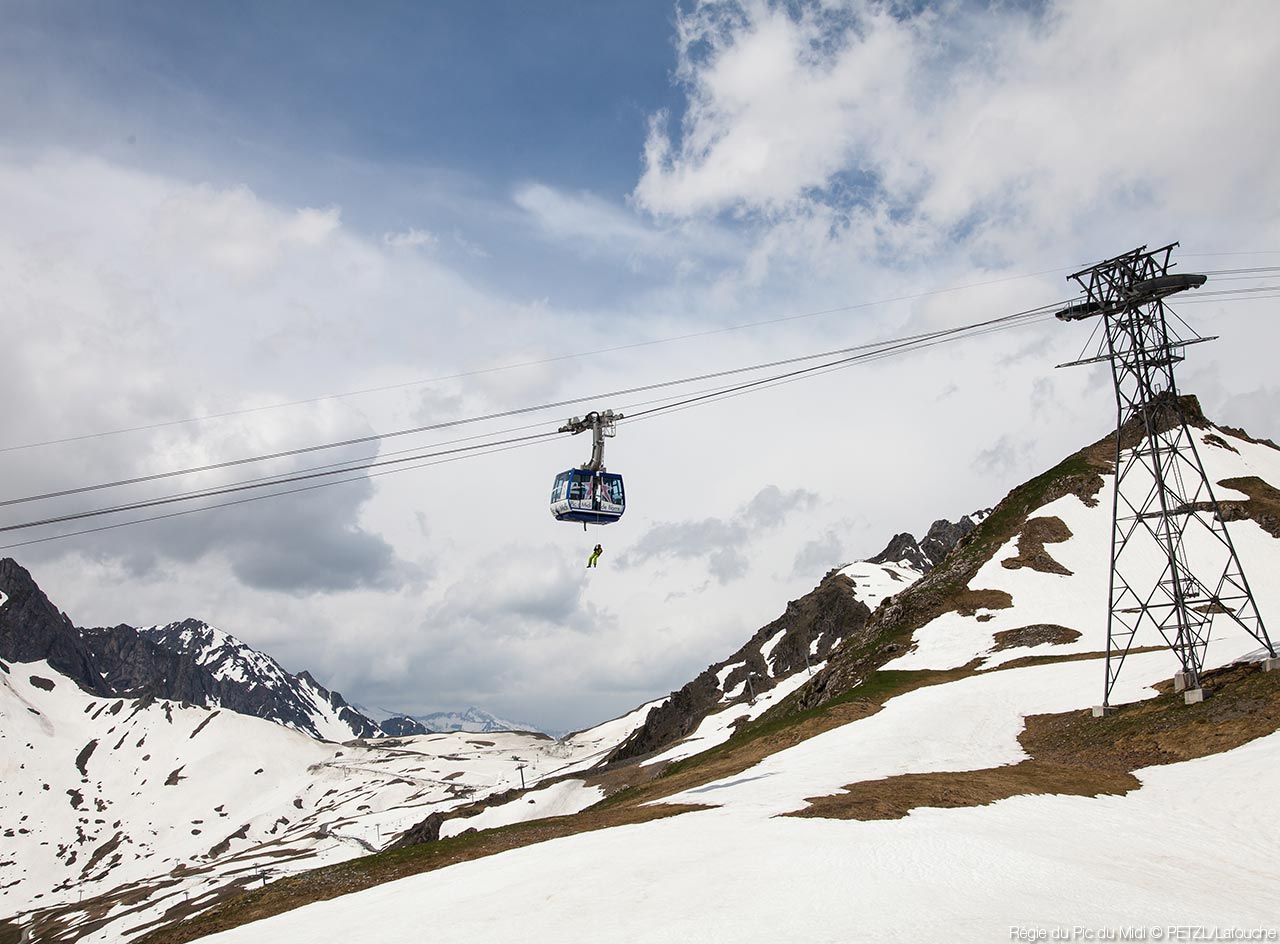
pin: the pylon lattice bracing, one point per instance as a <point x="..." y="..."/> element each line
<point x="1173" y="564"/>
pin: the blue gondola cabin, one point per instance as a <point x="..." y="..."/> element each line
<point x="589" y="497"/>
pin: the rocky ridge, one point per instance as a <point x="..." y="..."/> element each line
<point x="187" y="661"/>
<point x="807" y="633"/>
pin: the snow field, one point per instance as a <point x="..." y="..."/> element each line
<point x="873" y="583"/>
<point x="732" y="875"/>
<point x="558" y="799"/>
<point x="305" y="803"/>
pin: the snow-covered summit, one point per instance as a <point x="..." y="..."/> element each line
<point x="473" y="720"/>
<point x="226" y="657"/>
<point x="188" y="661"/>
<point x="251" y="682"/>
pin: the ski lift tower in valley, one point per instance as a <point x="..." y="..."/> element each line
<point x="1162" y="494"/>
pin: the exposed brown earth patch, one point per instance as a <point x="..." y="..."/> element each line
<point x="1241" y="434"/>
<point x="1073" y="753"/>
<point x="1036" y="533"/>
<point x="895" y="797"/>
<point x="1037" y="634"/>
<point x="1263" y="505"/>
<point x="968" y="602"/>
<point x="1213" y="439"/>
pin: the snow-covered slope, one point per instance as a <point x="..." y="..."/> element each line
<point x="1073" y="595"/>
<point x="138" y="806"/>
<point x="1192" y="848"/>
<point x="1037" y="865"/>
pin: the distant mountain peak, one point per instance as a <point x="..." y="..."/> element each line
<point x="187" y="661"/>
<point x="226" y="657"/>
<point x="928" y="552"/>
<point x="472" y="719"/>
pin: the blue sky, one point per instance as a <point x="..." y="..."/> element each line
<point x="504" y="91"/>
<point x="396" y="111"/>
<point x="212" y="206"/>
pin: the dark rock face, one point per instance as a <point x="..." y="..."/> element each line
<point x="927" y="553"/>
<point x="426" y="831"/>
<point x="134" y="665"/>
<point x="675" y="718"/>
<point x="903" y="547"/>
<point x="816" y="622"/>
<point x="32" y="628"/>
<point x="188" y="661"/>
<point x="402" y="727"/>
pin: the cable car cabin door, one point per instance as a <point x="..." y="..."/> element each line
<point x="589" y="497"/>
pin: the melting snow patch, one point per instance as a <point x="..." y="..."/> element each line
<point x="872" y="583"/>
<point x="766" y="651"/>
<point x="724" y="673"/>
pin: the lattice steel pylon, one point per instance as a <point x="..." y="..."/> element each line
<point x="1173" y="564"/>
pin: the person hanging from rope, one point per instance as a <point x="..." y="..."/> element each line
<point x="595" y="556"/>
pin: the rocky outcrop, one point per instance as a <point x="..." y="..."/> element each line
<point x="136" y="666"/>
<point x="426" y="831"/>
<point x="32" y="628"/>
<point x="928" y="552"/>
<point x="817" y="623"/>
<point x="402" y="727"/>
<point x="188" y="661"/>
<point x="811" y="627"/>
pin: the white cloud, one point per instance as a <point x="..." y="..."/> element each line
<point x="412" y="238"/>
<point x="596" y="227"/>
<point x="724" y="543"/>
<point x="770" y="115"/>
<point x="912" y="132"/>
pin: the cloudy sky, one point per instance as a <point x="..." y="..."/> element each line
<point x="210" y="209"/>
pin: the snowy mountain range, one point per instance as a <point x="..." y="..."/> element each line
<point x="189" y="661"/>
<point x="474" y="720"/>
<point x="906" y="752"/>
